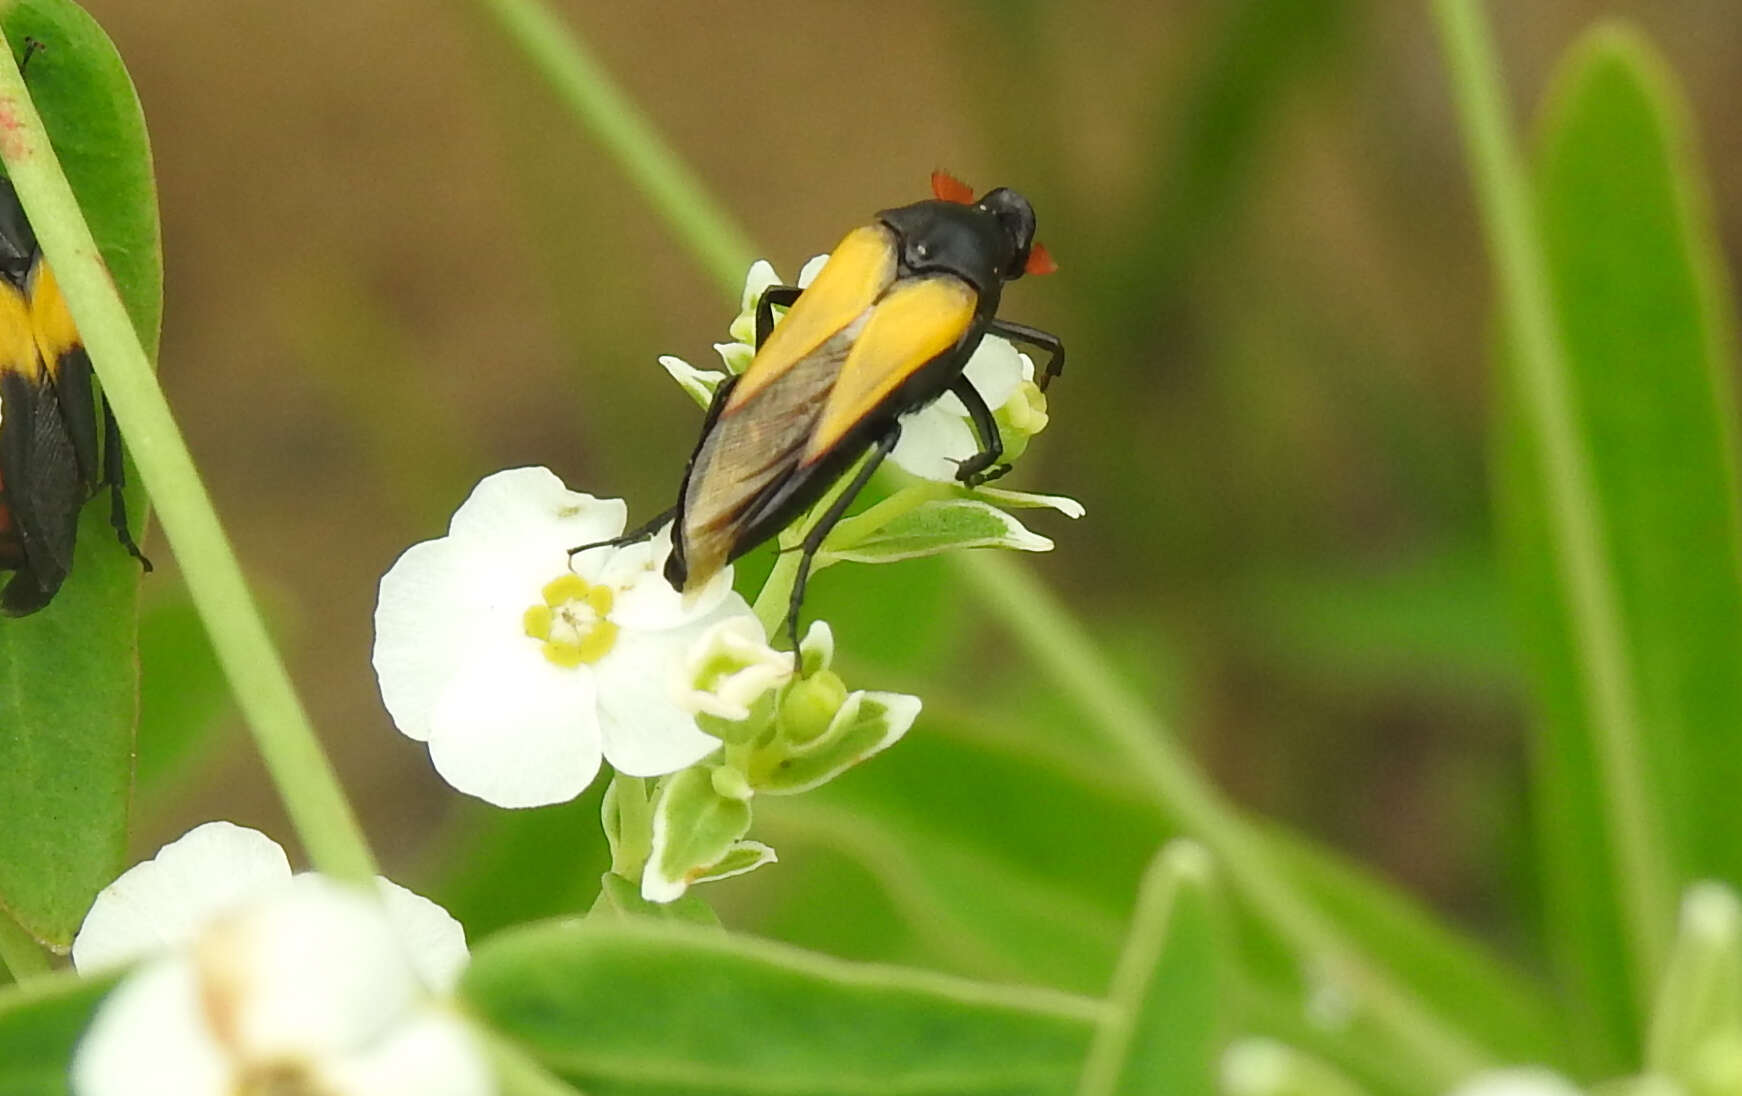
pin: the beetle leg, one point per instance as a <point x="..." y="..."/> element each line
<point x="114" y="477"/>
<point x="813" y="540"/>
<point x="983" y="466"/>
<point x="782" y="295"/>
<point x="644" y="531"/>
<point x="1035" y="337"/>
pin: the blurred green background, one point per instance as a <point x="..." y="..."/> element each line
<point x="394" y="264"/>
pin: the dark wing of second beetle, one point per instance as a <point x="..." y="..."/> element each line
<point x="48" y="443"/>
<point x="847" y="345"/>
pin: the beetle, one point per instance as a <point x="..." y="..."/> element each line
<point x="887" y="326"/>
<point x="50" y="459"/>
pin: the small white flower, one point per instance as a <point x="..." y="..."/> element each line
<point x="937" y="437"/>
<point x="309" y="989"/>
<point x="730" y="667"/>
<point x="520" y="667"/>
<point x="165" y="903"/>
<point x="1518" y="1081"/>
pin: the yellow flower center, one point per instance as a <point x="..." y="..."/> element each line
<point x="574" y="623"/>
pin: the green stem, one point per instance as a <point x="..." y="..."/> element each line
<point x="850" y="531"/>
<point x="1061" y="646"/>
<point x="634" y="826"/>
<point x="22" y="956"/>
<point x="311" y="794"/>
<point x="1642" y="870"/>
<point x="586" y="88"/>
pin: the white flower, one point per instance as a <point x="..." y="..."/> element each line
<point x="215" y="869"/>
<point x="519" y="666"/>
<point x="1517" y="1081"/>
<point x="730" y="667"/>
<point x="309" y="989"/>
<point x="937" y="437"/>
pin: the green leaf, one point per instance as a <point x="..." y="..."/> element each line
<point x="1012" y="856"/>
<point x="1164" y="1032"/>
<point x="939" y="526"/>
<point x="68" y="675"/>
<point x="1699" y="1005"/>
<point x="40" y="1023"/>
<point x="1638" y="290"/>
<point x="865" y="725"/>
<point x="635" y="1008"/>
<point x="693" y="827"/>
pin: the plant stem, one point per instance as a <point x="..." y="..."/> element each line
<point x="312" y="797"/>
<point x="22" y="956"/>
<point x="1059" y="644"/>
<point x="1642" y="870"/>
<point x="519" y="1072"/>
<point x="634" y="826"/>
<point x="585" y="87"/>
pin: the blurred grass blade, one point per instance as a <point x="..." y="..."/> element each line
<point x="979" y="887"/>
<point x="651" y="1008"/>
<point x="1638" y="307"/>
<point x="1164" y="1031"/>
<point x="70" y="693"/>
<point x="1699" y="1005"/>
<point x="1585" y="521"/>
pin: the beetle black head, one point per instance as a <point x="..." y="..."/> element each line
<point x="1016" y="217"/>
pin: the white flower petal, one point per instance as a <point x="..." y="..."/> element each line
<point x="162" y="903"/>
<point x="995" y="369"/>
<point x="736" y="356"/>
<point x="317" y="972"/>
<point x="421" y="629"/>
<point x="698" y="384"/>
<point x="1518" y="1081"/>
<point x="434" y="1054"/>
<point x="1069" y="507"/>
<point x="645" y="601"/>
<point x="809" y="271"/>
<point x="433" y="940"/>
<point x="756" y="283"/>
<point x="149" y="1038"/>
<point x="932" y="441"/>
<point x="646" y="732"/>
<point x="515" y="730"/>
<point x="518" y="507"/>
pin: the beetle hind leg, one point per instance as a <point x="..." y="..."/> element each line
<point x="982" y="467"/>
<point x="115" y="478"/>
<point x="813" y="540"/>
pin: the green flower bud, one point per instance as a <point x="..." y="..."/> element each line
<point x="810" y="705"/>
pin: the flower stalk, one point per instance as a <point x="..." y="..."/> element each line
<point x="299" y="768"/>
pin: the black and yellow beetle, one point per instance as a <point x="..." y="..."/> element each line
<point x="50" y="461"/>
<point x="886" y="328"/>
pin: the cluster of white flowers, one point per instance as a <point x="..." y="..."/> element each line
<point x="251" y="979"/>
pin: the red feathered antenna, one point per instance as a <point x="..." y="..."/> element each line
<point x="1040" y="261"/>
<point x="948" y="188"/>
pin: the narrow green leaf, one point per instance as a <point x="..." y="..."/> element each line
<point x="69" y="675"/>
<point x="936" y="527"/>
<point x="1638" y="293"/>
<point x="39" y="1026"/>
<point x="1005" y="861"/>
<point x="1699" y="1005"/>
<point x="1164" y="1031"/>
<point x="632" y="1007"/>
